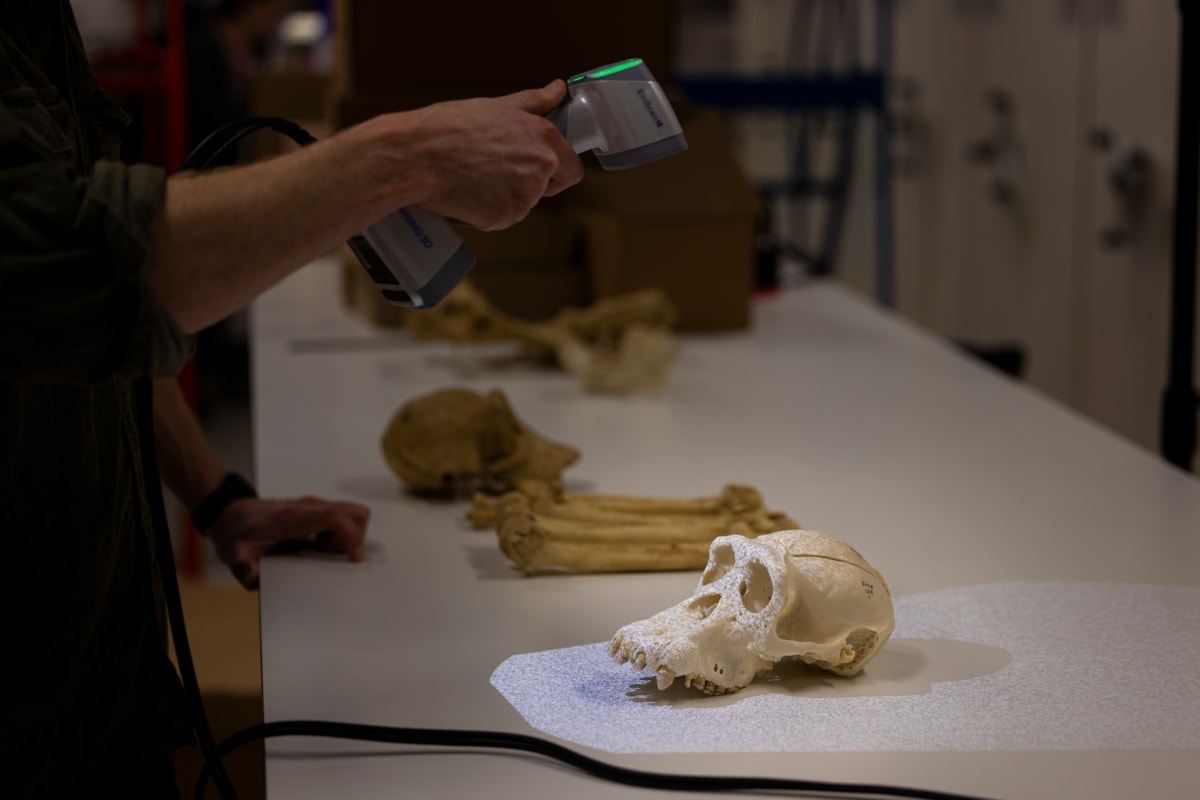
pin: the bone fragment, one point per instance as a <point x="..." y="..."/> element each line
<point x="640" y="361"/>
<point x="620" y="344"/>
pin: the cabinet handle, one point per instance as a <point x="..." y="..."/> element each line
<point x="1130" y="178"/>
<point x="1000" y="149"/>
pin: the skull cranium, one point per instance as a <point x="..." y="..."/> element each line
<point x="788" y="595"/>
<point x="456" y="438"/>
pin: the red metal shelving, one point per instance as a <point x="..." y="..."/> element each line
<point x="153" y="70"/>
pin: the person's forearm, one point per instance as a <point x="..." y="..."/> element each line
<point x="188" y="466"/>
<point x="225" y="237"/>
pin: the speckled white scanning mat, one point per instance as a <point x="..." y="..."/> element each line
<point x="1004" y="666"/>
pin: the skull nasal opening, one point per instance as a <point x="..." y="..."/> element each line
<point x="756" y="588"/>
<point x="720" y="559"/>
<point x="702" y="606"/>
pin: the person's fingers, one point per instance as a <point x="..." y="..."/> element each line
<point x="340" y="520"/>
<point x="360" y="513"/>
<point x="569" y="172"/>
<point x="355" y="510"/>
<point x="567" y="168"/>
<point x="246" y="572"/>
<point x="342" y="523"/>
<point x="327" y="542"/>
<point x="538" y="101"/>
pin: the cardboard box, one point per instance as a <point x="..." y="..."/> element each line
<point x="548" y="236"/>
<point x="383" y="44"/>
<point x="291" y="94"/>
<point x="533" y="269"/>
<point x="531" y="291"/>
<point x="685" y="224"/>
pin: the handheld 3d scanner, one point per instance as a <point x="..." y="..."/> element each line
<point x="617" y="111"/>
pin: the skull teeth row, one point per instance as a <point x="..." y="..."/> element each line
<point x="623" y="652"/>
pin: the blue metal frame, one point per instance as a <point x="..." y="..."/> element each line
<point x="786" y="92"/>
<point x="854" y="91"/>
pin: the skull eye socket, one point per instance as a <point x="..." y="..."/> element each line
<point x="701" y="607"/>
<point x="719" y="561"/>
<point x="756" y="588"/>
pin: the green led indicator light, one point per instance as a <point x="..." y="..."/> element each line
<point x="577" y="78"/>
<point x="621" y="67"/>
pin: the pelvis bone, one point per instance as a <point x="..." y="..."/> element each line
<point x="794" y="594"/>
<point x="455" y="439"/>
<point x="543" y="529"/>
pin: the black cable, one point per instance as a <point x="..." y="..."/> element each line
<point x="166" y="559"/>
<point x="233" y="132"/>
<point x="200" y="157"/>
<point x="532" y="744"/>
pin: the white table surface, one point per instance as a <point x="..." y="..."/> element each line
<point x="947" y="476"/>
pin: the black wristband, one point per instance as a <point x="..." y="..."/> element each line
<point x="232" y="487"/>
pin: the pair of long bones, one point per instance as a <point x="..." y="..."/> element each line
<point x="544" y="529"/>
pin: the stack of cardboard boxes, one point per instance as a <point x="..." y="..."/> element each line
<point x="685" y="224"/>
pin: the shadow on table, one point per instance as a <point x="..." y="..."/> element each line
<point x="905" y="667"/>
<point x="487" y="560"/>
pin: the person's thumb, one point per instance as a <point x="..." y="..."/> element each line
<point x="539" y="101"/>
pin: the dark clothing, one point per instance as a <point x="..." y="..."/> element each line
<point x="152" y="778"/>
<point x="88" y="691"/>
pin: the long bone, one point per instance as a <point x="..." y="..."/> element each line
<point x="542" y="528"/>
<point x="549" y="500"/>
<point x="546" y="545"/>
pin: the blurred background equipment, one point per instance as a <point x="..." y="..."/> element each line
<point x="817" y="82"/>
<point x="1030" y="145"/>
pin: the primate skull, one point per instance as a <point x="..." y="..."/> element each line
<point x="789" y="595"/>
<point x="456" y="438"/>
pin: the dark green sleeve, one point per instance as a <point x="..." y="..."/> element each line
<point x="75" y="302"/>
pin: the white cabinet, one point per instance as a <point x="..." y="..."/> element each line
<point x="1018" y="213"/>
<point x="1073" y="98"/>
<point x="987" y="210"/>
